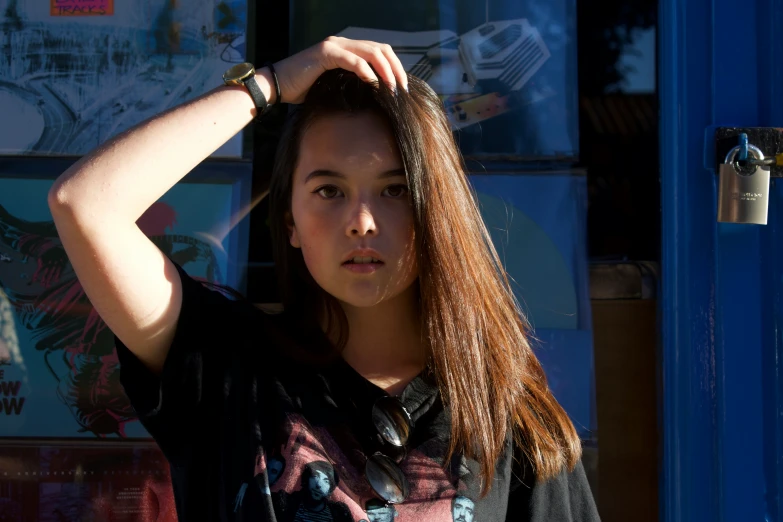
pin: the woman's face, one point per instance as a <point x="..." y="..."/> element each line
<point x="350" y="204"/>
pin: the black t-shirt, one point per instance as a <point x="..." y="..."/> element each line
<point x="250" y="435"/>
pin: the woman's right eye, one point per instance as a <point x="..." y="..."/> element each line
<point x="327" y="192"/>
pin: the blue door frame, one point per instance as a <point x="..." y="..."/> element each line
<point x="721" y="407"/>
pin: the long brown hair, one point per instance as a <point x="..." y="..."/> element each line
<point x="469" y="313"/>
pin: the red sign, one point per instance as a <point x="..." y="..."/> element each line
<point x="81" y="7"/>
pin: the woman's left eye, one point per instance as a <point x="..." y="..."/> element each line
<point x="396" y="191"/>
<point x="327" y="192"/>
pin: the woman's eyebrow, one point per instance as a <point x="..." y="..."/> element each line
<point x="325" y="173"/>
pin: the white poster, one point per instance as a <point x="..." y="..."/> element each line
<point x="74" y="73"/>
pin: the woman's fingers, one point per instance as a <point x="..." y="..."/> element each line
<point x="370" y="61"/>
<point x="396" y="65"/>
<point x="373" y="53"/>
<point x="380" y="57"/>
<point x="340" y="58"/>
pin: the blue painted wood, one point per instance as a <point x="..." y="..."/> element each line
<point x="769" y="16"/>
<point x="722" y="396"/>
<point x="772" y="362"/>
<point x="689" y="483"/>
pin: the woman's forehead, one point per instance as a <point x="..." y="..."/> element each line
<point x="349" y="141"/>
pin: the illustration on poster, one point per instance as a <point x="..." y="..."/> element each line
<point x="75" y="73"/>
<point x="474" y="73"/>
<point x="11" y="402"/>
<point x="9" y="341"/>
<point x="39" y="293"/>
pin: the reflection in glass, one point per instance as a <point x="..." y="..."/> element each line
<point x="506" y="71"/>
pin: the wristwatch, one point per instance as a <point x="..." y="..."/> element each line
<point x="244" y="74"/>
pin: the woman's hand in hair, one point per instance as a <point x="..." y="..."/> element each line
<point x="371" y="61"/>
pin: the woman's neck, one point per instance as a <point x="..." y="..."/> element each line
<point x="384" y="343"/>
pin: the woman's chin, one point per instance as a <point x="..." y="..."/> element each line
<point x="358" y="301"/>
<point x="369" y="294"/>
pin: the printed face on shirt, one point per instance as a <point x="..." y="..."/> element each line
<point x="350" y="192"/>
<point x="462" y="510"/>
<point x="319" y="485"/>
<point x="382" y="514"/>
<point x="274" y="469"/>
<point x="379" y="511"/>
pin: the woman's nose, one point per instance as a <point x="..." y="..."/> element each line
<point x="361" y="222"/>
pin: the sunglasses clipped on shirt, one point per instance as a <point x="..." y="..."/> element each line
<point x="394" y="425"/>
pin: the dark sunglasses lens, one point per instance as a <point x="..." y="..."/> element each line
<point x="391" y="420"/>
<point x="386" y="478"/>
<point x="395" y="453"/>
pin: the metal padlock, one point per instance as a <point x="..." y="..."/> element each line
<point x="743" y="191"/>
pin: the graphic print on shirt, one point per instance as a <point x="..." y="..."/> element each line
<point x="314" y="500"/>
<point x="462" y="509"/>
<point x="310" y="478"/>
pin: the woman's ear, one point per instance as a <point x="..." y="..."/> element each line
<point x="293" y="235"/>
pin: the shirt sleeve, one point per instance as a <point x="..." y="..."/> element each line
<point x="565" y="498"/>
<point x="182" y="403"/>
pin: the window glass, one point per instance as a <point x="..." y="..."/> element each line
<point x="506" y="70"/>
<point x="59" y="372"/>
<point x="77" y="72"/>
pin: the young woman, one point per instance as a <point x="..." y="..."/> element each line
<point x="398" y="383"/>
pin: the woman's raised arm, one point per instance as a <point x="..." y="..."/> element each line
<point x="95" y="204"/>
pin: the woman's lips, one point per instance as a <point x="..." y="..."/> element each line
<point x="362" y="268"/>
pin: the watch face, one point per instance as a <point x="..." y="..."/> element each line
<point x="239" y="73"/>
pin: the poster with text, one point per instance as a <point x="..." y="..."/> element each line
<point x="81" y="483"/>
<point x="74" y="73"/>
<point x="505" y="70"/>
<point x="59" y="372"/>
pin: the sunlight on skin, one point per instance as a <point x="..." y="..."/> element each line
<point x="357" y="212"/>
<point x="350" y="192"/>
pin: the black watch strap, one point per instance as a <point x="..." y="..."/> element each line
<point x="258" y="97"/>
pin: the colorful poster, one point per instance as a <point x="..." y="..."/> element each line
<point x="75" y="73"/>
<point x="59" y="373"/>
<point x="63" y="483"/>
<point x="542" y="244"/>
<point x="505" y="70"/>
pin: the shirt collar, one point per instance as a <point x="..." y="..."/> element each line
<point x="418" y="396"/>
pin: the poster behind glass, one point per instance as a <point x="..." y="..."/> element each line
<point x="98" y="483"/>
<point x="74" y="73"/>
<point x="59" y="372"/>
<point x="505" y="70"/>
<point x="542" y="245"/>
